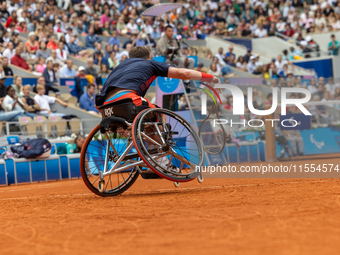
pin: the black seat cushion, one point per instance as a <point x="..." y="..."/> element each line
<point x="111" y="123"/>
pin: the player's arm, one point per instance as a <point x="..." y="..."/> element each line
<point x="188" y="74"/>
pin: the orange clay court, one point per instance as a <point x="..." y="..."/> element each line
<point x="219" y="216"/>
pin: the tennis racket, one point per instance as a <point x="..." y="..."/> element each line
<point x="212" y="133"/>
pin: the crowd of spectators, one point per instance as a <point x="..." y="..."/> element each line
<point x="61" y="31"/>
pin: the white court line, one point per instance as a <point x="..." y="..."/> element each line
<point x="33" y="187"/>
<point x="173" y="189"/>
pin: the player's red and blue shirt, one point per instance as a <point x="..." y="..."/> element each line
<point x="134" y="74"/>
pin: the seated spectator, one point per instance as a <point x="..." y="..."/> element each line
<point x="54" y="59"/>
<point x="91" y="39"/>
<point x="41" y="66"/>
<point x="246" y="31"/>
<point x="43" y="51"/>
<point x="19" y="61"/>
<point x="99" y="88"/>
<point x="247" y="56"/>
<point x="67" y="71"/>
<point x="80" y="28"/>
<point x="305" y="50"/>
<point x="52" y="44"/>
<point x="279" y="63"/>
<point x="152" y="42"/>
<point x="8" y="116"/>
<point x="86" y="101"/>
<point x="131" y="40"/>
<point x="108" y="50"/>
<point x="167" y="41"/>
<point x="121" y="26"/>
<point x="295" y="54"/>
<point x="48" y="88"/>
<point x="76" y="49"/>
<point x="260" y="32"/>
<point x="106" y="29"/>
<point x="231" y="61"/>
<point x="123" y="58"/>
<point x="42" y="36"/>
<point x="81" y="72"/>
<point x="12" y="19"/>
<point x="57" y="28"/>
<point x="125" y="52"/>
<point x="241" y="64"/>
<point x="113" y="62"/>
<point x="30" y="105"/>
<point x="61" y="53"/>
<point x="114" y="39"/>
<point x="100" y="59"/>
<point x="17" y="85"/>
<point x="132" y="26"/>
<point x="213" y="70"/>
<point x="7" y="70"/>
<point x="32" y="45"/>
<point x="200" y="67"/>
<point x="5" y="39"/>
<point x="104" y="72"/>
<point x="251" y="67"/>
<point x="13" y="103"/>
<point x="44" y="102"/>
<point x="221" y="57"/>
<point x="22" y="26"/>
<point x="50" y="75"/>
<point x="230" y="52"/>
<point x="9" y="52"/>
<point x="70" y="148"/>
<point x="140" y="41"/>
<point x="333" y="46"/>
<point x="90" y="69"/>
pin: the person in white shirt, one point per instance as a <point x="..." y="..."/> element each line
<point x="257" y="61"/>
<point x="132" y="26"/>
<point x="260" y="32"/>
<point x="12" y="102"/>
<point x="312" y="86"/>
<point x="280" y="26"/>
<point x="44" y="102"/>
<point x="9" y="52"/>
<point x="61" y="53"/>
<point x="212" y="5"/>
<point x="251" y="67"/>
<point x="279" y="63"/>
<point x="54" y="59"/>
<point x="220" y="57"/>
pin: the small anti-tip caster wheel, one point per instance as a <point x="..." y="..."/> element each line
<point x="176" y="184"/>
<point x="101" y="186"/>
<point x="200" y="178"/>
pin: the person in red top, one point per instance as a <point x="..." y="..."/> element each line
<point x="12" y="18"/>
<point x="81" y="71"/>
<point x="52" y="44"/>
<point x="32" y="45"/>
<point x="22" y="26"/>
<point x="19" y="61"/>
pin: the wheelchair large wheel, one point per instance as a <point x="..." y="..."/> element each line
<point x="92" y="163"/>
<point x="168" y="145"/>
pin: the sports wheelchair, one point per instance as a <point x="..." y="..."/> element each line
<point x="157" y="143"/>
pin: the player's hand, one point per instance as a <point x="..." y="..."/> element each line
<point x="217" y="80"/>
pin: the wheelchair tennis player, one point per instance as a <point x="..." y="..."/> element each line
<point x="123" y="91"/>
